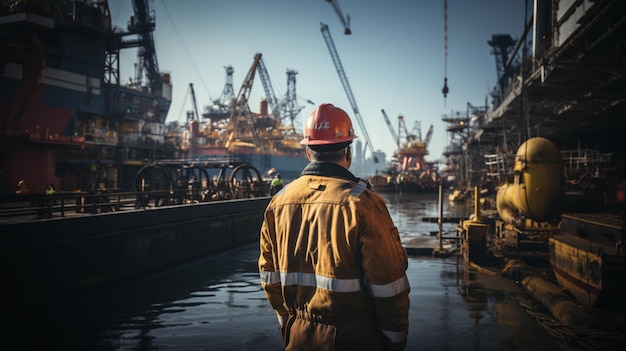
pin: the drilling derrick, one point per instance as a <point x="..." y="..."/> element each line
<point x="290" y="106"/>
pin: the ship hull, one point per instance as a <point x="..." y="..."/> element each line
<point x="65" y="118"/>
<point x="587" y="260"/>
<point x="409" y="184"/>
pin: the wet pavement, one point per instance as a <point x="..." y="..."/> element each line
<point x="216" y="303"/>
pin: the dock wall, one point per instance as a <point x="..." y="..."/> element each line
<point x="50" y="259"/>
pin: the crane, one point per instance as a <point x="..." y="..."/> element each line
<point x="269" y="91"/>
<point x="445" y="90"/>
<point x="228" y="94"/>
<point x="147" y="74"/>
<point x="192" y="116"/>
<point x="241" y="123"/>
<point x="344" y="20"/>
<point x="403" y="133"/>
<point x="346" y="86"/>
<point x="393" y="132"/>
<point x="143" y="25"/>
<point x="429" y="135"/>
<point x="417" y="131"/>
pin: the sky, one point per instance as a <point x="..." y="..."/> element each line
<point x="394" y="59"/>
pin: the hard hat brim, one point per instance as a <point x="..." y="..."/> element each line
<point x="306" y="141"/>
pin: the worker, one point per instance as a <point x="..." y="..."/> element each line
<point x="50" y="190"/>
<point x="22" y="187"/>
<point x="331" y="262"/>
<point x="277" y="184"/>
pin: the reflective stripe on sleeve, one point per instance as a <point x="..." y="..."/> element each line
<point x="391" y="289"/>
<point x="326" y="283"/>
<point x="280" y="319"/>
<point x="269" y="277"/>
<point x="395" y="337"/>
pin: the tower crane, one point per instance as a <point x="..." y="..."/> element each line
<point x="346" y="86"/>
<point x="344" y="20"/>
<point x="393" y="132"/>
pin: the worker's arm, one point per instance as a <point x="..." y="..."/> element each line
<point x="385" y="262"/>
<point x="270" y="275"/>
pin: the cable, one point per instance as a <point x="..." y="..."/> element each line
<point x="445" y="88"/>
<point x="193" y="64"/>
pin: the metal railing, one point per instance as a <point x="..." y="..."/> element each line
<point x="21" y="207"/>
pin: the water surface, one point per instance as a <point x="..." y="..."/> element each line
<point x="217" y="303"/>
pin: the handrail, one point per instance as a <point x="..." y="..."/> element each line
<point x="21" y="207"/>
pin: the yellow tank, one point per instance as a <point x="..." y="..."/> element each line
<point x="537" y="191"/>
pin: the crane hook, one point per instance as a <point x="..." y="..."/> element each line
<point x="445" y="88"/>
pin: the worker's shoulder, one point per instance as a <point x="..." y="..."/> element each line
<point x="361" y="187"/>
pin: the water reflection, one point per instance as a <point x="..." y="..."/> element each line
<point x="410" y="211"/>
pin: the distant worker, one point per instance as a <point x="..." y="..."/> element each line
<point x="22" y="187"/>
<point x="50" y="190"/>
<point x="331" y="262"/>
<point x="277" y="184"/>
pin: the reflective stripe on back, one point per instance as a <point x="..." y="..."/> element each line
<point x="318" y="281"/>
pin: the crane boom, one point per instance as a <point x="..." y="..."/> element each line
<point x="346" y="86"/>
<point x="403" y="132"/>
<point x="344" y="20"/>
<point x="429" y="135"/>
<point x="269" y="90"/>
<point x="241" y="122"/>
<point x="193" y="100"/>
<point x="393" y="132"/>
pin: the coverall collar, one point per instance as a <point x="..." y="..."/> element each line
<point x="328" y="169"/>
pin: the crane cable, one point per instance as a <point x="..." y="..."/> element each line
<point x="182" y="43"/>
<point x="445" y="88"/>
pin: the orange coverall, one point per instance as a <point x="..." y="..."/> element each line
<point x="332" y="264"/>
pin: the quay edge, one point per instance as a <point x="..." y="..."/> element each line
<point x="50" y="259"/>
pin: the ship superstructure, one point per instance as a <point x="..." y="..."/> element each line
<point x="66" y="118"/>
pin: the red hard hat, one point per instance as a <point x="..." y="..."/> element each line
<point x="326" y="125"/>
